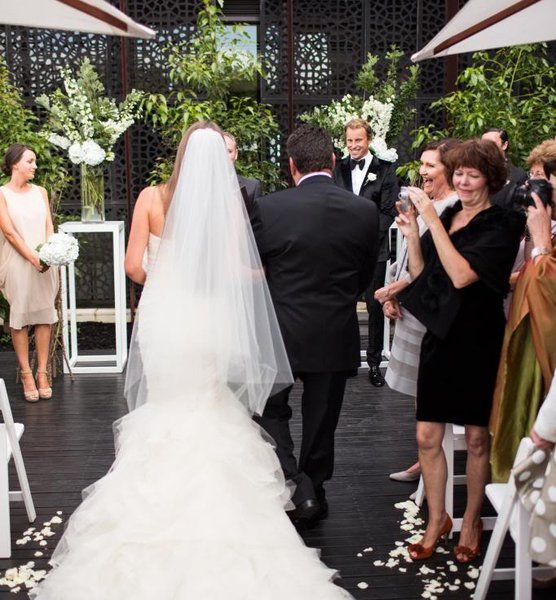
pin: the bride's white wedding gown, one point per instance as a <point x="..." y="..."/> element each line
<point x="191" y="509"/>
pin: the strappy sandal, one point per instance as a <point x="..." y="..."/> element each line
<point x="44" y="393"/>
<point x="33" y="395"/>
<point x="469" y="554"/>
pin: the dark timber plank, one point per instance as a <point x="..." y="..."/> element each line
<point x="68" y="444"/>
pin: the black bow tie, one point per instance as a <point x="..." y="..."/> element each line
<point x="354" y="163"/>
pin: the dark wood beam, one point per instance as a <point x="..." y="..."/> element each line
<point x="97" y="13"/>
<point x="124" y="74"/>
<point x="452" y="62"/>
<point x="482" y="25"/>
<point x="291" y="63"/>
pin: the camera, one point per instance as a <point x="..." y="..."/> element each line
<point x="404" y="199"/>
<point x="521" y="195"/>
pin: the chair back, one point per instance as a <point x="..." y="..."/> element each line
<point x="7" y="417"/>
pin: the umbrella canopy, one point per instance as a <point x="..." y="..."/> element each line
<point x="90" y="16"/>
<point x="482" y="25"/>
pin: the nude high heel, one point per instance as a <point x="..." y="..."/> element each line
<point x="44" y="393"/>
<point x="33" y="395"/>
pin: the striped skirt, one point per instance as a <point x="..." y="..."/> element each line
<point x="401" y="374"/>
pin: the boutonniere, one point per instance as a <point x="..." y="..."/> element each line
<point x="371" y="177"/>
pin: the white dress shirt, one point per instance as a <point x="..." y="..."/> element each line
<point x="358" y="175"/>
<point x="325" y="173"/>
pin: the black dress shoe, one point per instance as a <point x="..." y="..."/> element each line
<point x="304" y="511"/>
<point x="375" y="377"/>
<point x="308" y="522"/>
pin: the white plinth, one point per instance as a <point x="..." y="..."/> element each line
<point x="95" y="363"/>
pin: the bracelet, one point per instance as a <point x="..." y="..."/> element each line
<point x="539" y="251"/>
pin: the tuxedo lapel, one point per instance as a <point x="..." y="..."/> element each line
<point x="373" y="168"/>
<point x="345" y="171"/>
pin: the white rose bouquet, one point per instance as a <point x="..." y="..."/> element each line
<point x="60" y="249"/>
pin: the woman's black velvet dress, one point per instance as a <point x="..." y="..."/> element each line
<point x="465" y="327"/>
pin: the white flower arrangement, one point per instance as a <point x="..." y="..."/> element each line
<point x="380" y="149"/>
<point x="85" y="122"/>
<point x="60" y="249"/>
<point x="334" y="116"/>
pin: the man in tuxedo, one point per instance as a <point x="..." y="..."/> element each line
<point x="318" y="244"/>
<point x="374" y="179"/>
<point x="252" y="186"/>
<point x="516" y="175"/>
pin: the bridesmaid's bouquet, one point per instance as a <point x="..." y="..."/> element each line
<point x="59" y="249"/>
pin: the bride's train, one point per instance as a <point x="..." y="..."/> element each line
<point x="192" y="509"/>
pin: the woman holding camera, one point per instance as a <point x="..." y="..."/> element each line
<point x="29" y="288"/>
<point x="529" y="351"/>
<point x="461" y="268"/>
<point x="401" y="374"/>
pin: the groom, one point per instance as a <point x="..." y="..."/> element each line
<point x="319" y="246"/>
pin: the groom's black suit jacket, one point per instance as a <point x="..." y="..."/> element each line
<point x="383" y="191"/>
<point x="319" y="246"/>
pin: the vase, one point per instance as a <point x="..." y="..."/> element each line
<point x="92" y="193"/>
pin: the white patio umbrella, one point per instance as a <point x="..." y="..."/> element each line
<point x="90" y="16"/>
<point x="482" y="25"/>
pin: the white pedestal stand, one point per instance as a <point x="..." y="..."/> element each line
<point x="95" y="363"/>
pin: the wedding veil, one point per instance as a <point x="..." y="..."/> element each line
<point x="206" y="317"/>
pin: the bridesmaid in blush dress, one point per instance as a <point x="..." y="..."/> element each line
<point x="29" y="288"/>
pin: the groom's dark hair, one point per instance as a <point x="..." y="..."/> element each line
<point x="310" y="148"/>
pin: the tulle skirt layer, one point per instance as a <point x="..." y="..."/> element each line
<point x="192" y="509"/>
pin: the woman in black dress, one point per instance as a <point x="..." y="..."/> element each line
<point x="461" y="269"/>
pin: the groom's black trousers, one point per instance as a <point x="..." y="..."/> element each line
<point x="321" y="402"/>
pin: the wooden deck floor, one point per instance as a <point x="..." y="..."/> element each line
<point x="68" y="444"/>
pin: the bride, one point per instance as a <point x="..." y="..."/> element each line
<point x="193" y="506"/>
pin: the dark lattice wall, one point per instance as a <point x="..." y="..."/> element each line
<point x="331" y="41"/>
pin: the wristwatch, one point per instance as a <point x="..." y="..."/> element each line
<point x="538" y="251"/>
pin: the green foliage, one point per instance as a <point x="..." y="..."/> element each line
<point x="4" y="308"/>
<point x="207" y="74"/>
<point x="514" y="88"/>
<point x="18" y="124"/>
<point x="399" y="87"/>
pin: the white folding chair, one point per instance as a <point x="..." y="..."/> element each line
<point x="512" y="516"/>
<point x="454" y="440"/>
<point x="10" y="434"/>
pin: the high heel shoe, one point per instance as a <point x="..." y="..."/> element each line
<point x="469" y="554"/>
<point x="33" y="395"/>
<point x="420" y="552"/>
<point x="44" y="393"/>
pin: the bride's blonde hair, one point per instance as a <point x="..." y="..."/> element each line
<point x="170" y="185"/>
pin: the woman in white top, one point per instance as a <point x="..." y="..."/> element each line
<point x="28" y="286"/>
<point x="403" y="365"/>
